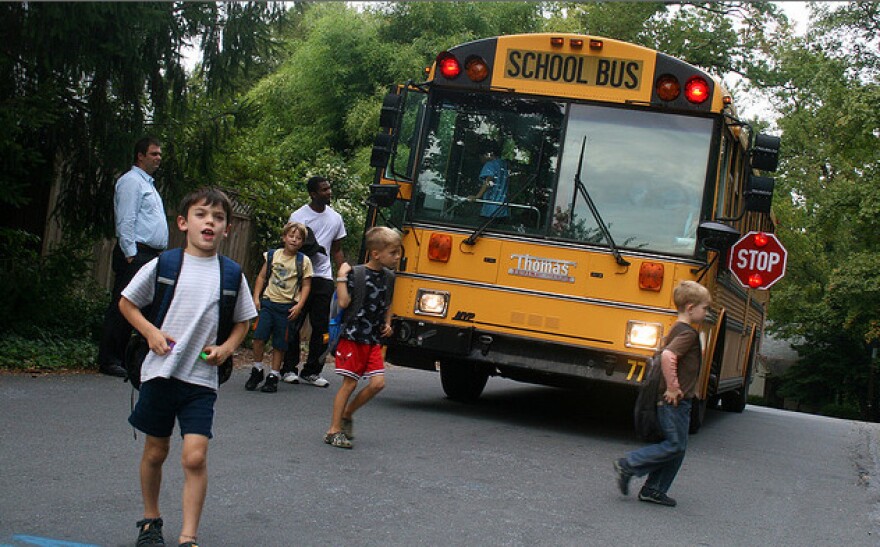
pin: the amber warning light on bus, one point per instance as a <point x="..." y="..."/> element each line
<point x="440" y="247"/>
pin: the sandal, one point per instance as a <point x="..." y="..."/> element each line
<point x="338" y="439"/>
<point x="348" y="428"/>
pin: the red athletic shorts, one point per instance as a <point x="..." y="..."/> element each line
<point x="357" y="360"/>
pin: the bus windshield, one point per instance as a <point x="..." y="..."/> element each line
<point x="509" y="163"/>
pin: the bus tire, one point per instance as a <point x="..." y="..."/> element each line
<point x="735" y="401"/>
<point x="698" y="415"/>
<point x="463" y="381"/>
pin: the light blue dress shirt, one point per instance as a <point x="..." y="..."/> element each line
<point x="140" y="214"/>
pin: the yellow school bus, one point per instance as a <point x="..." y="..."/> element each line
<point x="552" y="190"/>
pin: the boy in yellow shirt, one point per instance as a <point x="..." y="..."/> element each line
<point x="287" y="288"/>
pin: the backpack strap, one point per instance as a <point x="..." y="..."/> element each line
<point x="389" y="286"/>
<point x="167" y="272"/>
<point x="357" y="299"/>
<point x="230" y="282"/>
<point x="270" y="254"/>
<point x="299" y="271"/>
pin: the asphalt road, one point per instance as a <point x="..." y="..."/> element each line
<point x="527" y="465"/>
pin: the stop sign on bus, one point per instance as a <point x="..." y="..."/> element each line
<point x="757" y="260"/>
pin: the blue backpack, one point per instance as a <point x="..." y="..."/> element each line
<point x="167" y="272"/>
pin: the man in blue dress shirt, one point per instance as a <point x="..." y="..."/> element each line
<point x="141" y="233"/>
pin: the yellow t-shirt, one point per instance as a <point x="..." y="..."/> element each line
<point x="283" y="287"/>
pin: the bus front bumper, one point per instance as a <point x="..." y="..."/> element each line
<point x="421" y="344"/>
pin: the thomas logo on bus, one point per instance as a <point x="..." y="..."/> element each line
<point x="543" y="268"/>
<point x="573" y="69"/>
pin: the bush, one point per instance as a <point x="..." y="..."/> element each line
<point x="51" y="311"/>
<point x="756" y="400"/>
<point x="45" y="353"/>
<point x="846" y="411"/>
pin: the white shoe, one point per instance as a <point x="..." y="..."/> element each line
<point x="315" y="380"/>
<point x="290" y="378"/>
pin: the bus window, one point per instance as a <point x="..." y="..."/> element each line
<point x="645" y="171"/>
<point x="721" y="191"/>
<point x="523" y="137"/>
<point x="402" y="165"/>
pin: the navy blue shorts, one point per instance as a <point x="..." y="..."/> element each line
<point x="161" y="400"/>
<point x="273" y="321"/>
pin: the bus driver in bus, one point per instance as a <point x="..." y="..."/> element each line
<point x="494" y="177"/>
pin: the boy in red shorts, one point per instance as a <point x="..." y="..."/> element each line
<point x="359" y="352"/>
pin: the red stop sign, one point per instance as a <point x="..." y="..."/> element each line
<point x="757" y="260"/>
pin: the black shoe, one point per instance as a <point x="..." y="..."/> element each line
<point x="271" y="385"/>
<point x="653" y="496"/>
<point x="623" y="476"/>
<point x="150" y="534"/>
<point x="113" y="370"/>
<point x="255" y="379"/>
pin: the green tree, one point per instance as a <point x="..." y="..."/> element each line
<point x="318" y="113"/>
<point x="828" y="200"/>
<point x="79" y="83"/>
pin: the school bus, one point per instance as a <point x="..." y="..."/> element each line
<point x="552" y="190"/>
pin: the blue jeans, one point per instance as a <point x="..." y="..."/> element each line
<point x="661" y="461"/>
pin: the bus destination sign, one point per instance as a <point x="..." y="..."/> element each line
<point x="573" y="69"/>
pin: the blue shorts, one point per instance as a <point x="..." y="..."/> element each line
<point x="272" y="321"/>
<point x="163" y="399"/>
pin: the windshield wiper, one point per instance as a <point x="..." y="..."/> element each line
<point x="579" y="185"/>
<point x="472" y="239"/>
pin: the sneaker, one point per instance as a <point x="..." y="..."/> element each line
<point x="271" y="385"/>
<point x="189" y="544"/>
<point x="257" y="376"/>
<point x="290" y="378"/>
<point x="653" y="496"/>
<point x="314" y="380"/>
<point x="150" y="534"/>
<point x="623" y="476"/>
<point x="348" y="427"/>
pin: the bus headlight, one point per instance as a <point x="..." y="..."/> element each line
<point x="430" y="302"/>
<point x="640" y="334"/>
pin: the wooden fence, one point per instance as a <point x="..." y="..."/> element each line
<point x="237" y="246"/>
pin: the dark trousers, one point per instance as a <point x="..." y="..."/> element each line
<point x="117" y="330"/>
<point x="317" y="309"/>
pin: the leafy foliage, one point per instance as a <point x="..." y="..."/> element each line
<point x="828" y="197"/>
<point x="82" y="82"/>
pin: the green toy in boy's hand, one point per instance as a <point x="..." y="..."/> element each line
<point x="203" y="356"/>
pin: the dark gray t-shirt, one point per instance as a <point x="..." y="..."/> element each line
<point x="366" y="328"/>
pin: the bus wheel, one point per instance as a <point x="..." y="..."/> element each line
<point x="463" y="381"/>
<point x="735" y="401"/>
<point x="698" y="414"/>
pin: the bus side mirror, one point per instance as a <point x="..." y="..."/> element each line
<point x="759" y="194"/>
<point x="390" y="110"/>
<point x="382" y="145"/>
<point x="716" y="236"/>
<point x="765" y="152"/>
<point x="382" y="195"/>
